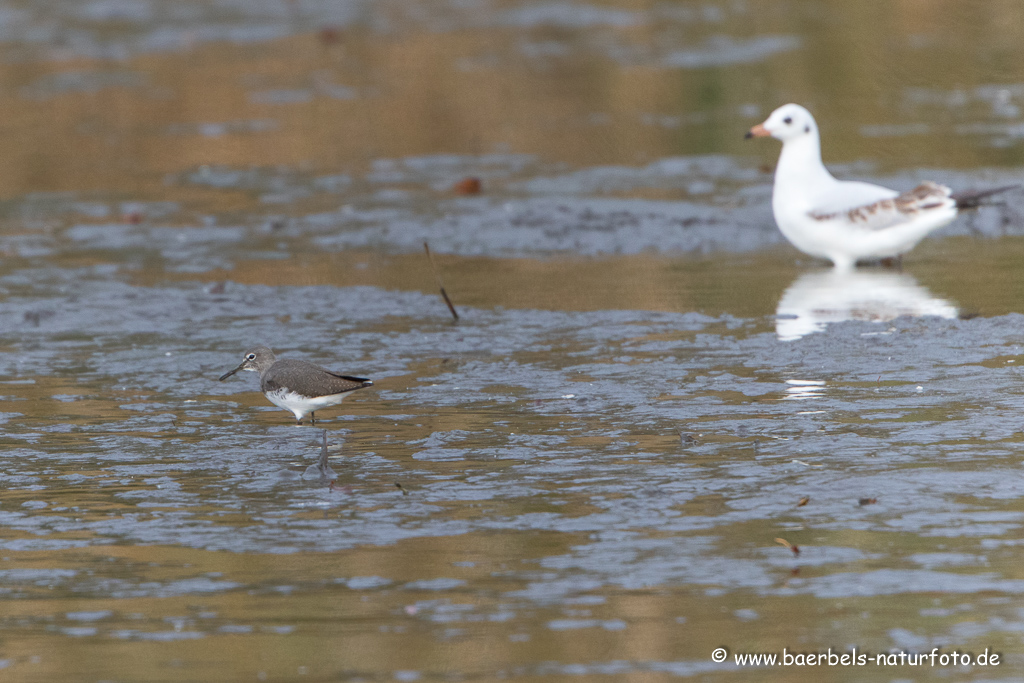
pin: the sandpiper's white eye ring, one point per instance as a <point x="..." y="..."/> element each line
<point x="251" y="356"/>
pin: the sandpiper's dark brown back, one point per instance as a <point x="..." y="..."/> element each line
<point x="308" y="379"/>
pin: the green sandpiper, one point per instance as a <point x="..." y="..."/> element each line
<point x="297" y="385"/>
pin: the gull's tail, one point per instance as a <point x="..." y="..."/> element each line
<point x="972" y="199"/>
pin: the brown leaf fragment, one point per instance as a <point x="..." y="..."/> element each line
<point x="784" y="542"/>
<point x="329" y="35"/>
<point x="468" y="186"/>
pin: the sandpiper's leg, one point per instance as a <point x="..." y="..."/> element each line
<point x="312" y="417"/>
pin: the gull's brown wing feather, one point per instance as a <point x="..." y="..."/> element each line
<point x="887" y="213"/>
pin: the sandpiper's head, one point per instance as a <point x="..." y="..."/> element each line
<point x="788" y="122"/>
<point x="257" y="359"/>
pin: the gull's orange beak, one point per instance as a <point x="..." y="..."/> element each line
<point x="758" y="131"/>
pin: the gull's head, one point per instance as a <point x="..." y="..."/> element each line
<point x="788" y="122"/>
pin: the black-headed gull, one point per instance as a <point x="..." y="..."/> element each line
<point x="842" y="220"/>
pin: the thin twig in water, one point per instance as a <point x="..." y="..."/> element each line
<point x="437" y="276"/>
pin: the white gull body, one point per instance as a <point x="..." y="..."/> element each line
<point x="840" y="220"/>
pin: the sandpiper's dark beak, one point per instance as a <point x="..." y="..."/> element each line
<point x="758" y="131"/>
<point x="230" y="372"/>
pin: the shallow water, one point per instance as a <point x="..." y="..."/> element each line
<point x="601" y="471"/>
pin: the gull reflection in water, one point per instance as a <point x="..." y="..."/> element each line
<point x="803" y="389"/>
<point x="816" y="299"/>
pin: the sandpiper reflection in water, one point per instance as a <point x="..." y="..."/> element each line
<point x="816" y="299"/>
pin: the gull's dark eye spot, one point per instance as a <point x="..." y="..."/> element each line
<point x="788" y="120"/>
<point x="807" y="129"/>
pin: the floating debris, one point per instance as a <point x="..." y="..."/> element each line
<point x="784" y="542"/>
<point x="469" y="185"/>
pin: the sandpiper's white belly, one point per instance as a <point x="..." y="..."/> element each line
<point x="303" y="405"/>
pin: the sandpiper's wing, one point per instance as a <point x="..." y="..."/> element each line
<point x="309" y="379"/>
<point x="888" y="212"/>
<point x="361" y="381"/>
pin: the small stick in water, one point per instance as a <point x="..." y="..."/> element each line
<point x="440" y="283"/>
